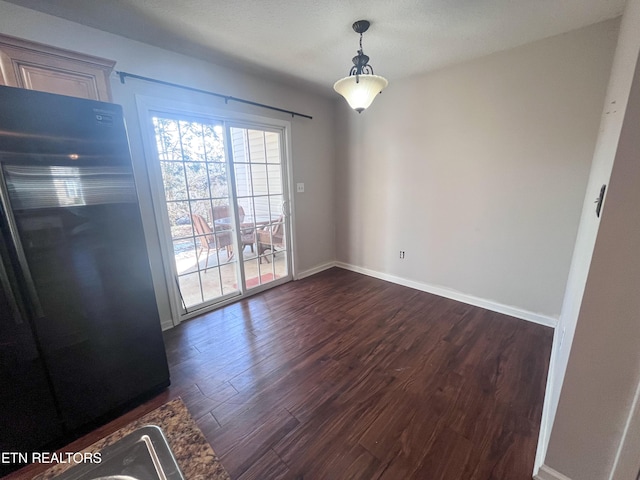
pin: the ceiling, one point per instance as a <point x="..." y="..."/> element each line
<point x="310" y="42"/>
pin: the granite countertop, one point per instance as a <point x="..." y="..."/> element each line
<point x="194" y="455"/>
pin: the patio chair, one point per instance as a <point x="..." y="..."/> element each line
<point x="271" y="236"/>
<point x="220" y="211"/>
<point x="247" y="233"/>
<point x="208" y="240"/>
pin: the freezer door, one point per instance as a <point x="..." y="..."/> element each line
<point x="88" y="277"/>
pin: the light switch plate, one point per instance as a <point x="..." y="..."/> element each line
<point x="300" y="187"/>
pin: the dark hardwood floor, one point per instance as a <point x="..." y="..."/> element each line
<point x="343" y="376"/>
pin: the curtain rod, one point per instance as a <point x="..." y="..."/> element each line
<point x="227" y="98"/>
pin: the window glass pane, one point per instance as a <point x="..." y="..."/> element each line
<point x="192" y="141"/>
<point x="275" y="205"/>
<point x="272" y="142"/>
<point x="229" y="279"/>
<point x="252" y="273"/>
<point x="243" y="179"/>
<point x="167" y="138"/>
<point x="190" y="289"/>
<point x="175" y="187"/>
<point x="256" y="146"/>
<point x="224" y="245"/>
<point x="247" y="206"/>
<point x="179" y="219"/>
<point x="280" y="265"/>
<point x="211" y="286"/>
<point x="218" y="180"/>
<point x="275" y="179"/>
<point x="261" y="205"/>
<point x="202" y="208"/>
<point x="185" y="252"/>
<point x="238" y="145"/>
<point x="214" y="143"/>
<point x="197" y="180"/>
<point x="259" y="179"/>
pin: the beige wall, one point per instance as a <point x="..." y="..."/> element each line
<point x="478" y="171"/>
<point x="604" y="364"/>
<point x="312" y="140"/>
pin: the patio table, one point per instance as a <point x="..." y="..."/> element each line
<point x="249" y="222"/>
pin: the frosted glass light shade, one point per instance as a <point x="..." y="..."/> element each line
<point x="360" y="90"/>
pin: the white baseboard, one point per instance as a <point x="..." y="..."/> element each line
<point x="545" y="320"/>
<point x="314" y="270"/>
<point x="548" y="473"/>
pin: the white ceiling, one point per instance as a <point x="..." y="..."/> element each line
<point x="311" y="41"/>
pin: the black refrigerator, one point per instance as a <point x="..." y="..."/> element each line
<point x="80" y="333"/>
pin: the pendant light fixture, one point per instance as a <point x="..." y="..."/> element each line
<point x="361" y="86"/>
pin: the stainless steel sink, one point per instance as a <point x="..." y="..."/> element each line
<point x="142" y="455"/>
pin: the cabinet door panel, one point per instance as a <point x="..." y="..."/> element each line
<point x="35" y="66"/>
<point x="52" y="80"/>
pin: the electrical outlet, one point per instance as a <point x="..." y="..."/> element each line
<point x="401" y="253"/>
<point x="300" y="187"/>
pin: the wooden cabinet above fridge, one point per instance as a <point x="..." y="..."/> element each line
<point x="36" y="66"/>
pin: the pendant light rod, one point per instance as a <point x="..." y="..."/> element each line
<point x="361" y="61"/>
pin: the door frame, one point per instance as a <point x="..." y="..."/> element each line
<point x="146" y="106"/>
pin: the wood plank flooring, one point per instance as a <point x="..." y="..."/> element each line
<point x="342" y="376"/>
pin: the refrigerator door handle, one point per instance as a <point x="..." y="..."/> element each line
<point x="15" y="237"/>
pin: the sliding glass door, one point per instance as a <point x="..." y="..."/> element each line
<point x="257" y="162"/>
<point x="221" y="198"/>
<point x="195" y="181"/>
